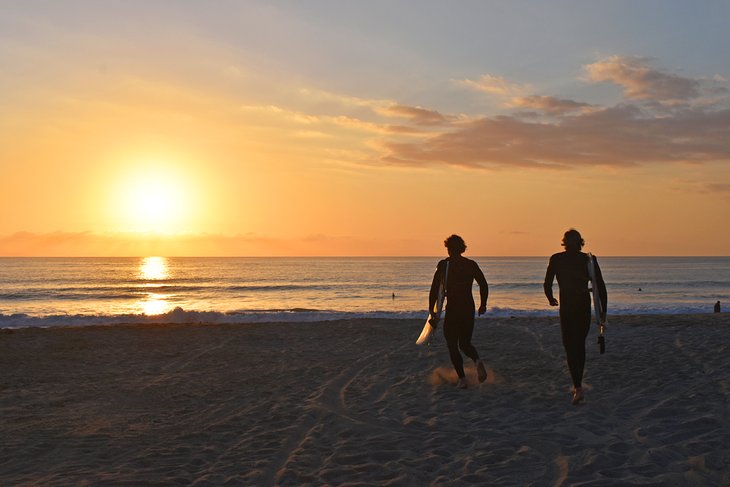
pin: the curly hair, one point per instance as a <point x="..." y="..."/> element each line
<point x="455" y="244"/>
<point x="572" y="240"/>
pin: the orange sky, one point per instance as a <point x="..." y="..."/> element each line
<point x="252" y="130"/>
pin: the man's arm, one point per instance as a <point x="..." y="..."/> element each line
<point x="483" y="288"/>
<point x="548" y="284"/>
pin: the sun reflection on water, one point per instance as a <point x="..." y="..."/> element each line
<point x="155" y="304"/>
<point x="154" y="269"/>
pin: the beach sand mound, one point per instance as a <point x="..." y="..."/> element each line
<point x="357" y="403"/>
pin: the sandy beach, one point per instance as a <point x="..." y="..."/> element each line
<point x="357" y="403"/>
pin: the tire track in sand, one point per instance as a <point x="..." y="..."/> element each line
<point x="331" y="399"/>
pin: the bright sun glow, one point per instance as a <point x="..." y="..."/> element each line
<point x="153" y="199"/>
<point x="155" y="204"/>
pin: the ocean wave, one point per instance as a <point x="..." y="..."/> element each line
<point x="281" y="287"/>
<point x="67" y="296"/>
<point x="181" y="316"/>
<point x="294" y="315"/>
<point x="70" y="293"/>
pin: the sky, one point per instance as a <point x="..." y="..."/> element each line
<point x="346" y="128"/>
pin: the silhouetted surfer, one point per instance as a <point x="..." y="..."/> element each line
<point x="717" y="307"/>
<point x="571" y="269"/>
<point x="459" y="318"/>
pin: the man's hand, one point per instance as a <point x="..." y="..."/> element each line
<point x="482" y="309"/>
<point x="553" y="302"/>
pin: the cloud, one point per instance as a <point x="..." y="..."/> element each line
<point x="494" y="85"/>
<point x="548" y="104"/>
<point x="416" y="115"/>
<point x="359" y="125"/>
<point x="404" y="130"/>
<point x="665" y="119"/>
<point x="82" y="244"/>
<point x="417" y="121"/>
<point x="640" y="80"/>
<point x="322" y="96"/>
<point x="88" y="244"/>
<point x="720" y="188"/>
<point x="280" y="113"/>
<point x="618" y="136"/>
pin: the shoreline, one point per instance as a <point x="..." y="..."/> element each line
<point x="355" y="401"/>
<point x="160" y="320"/>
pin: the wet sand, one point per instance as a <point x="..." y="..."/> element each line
<point x="357" y="403"/>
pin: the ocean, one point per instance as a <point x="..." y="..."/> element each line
<point x="91" y="291"/>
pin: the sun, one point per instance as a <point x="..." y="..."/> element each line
<point x="155" y="204"/>
<point x="153" y="199"/>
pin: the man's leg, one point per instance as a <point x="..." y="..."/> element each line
<point x="451" y="334"/>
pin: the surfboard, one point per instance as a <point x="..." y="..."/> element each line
<point x="434" y="316"/>
<point x="597" y="308"/>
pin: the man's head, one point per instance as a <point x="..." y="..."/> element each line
<point x="455" y="244"/>
<point x="572" y="240"/>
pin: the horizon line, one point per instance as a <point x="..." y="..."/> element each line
<point x="336" y="256"/>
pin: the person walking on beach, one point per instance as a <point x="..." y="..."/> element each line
<point x="571" y="269"/>
<point x="460" y="307"/>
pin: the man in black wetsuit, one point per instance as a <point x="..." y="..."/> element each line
<point x="571" y="269"/>
<point x="459" y="318"/>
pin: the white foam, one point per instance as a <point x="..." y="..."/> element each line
<point x="182" y="316"/>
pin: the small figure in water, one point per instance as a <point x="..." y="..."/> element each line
<point x="393" y="296"/>
<point x="571" y="269"/>
<point x="459" y="317"/>
<point x="717" y="307"/>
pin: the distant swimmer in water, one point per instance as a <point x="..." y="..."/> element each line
<point x="717" y="307"/>
<point x="571" y="269"/>
<point x="460" y="307"/>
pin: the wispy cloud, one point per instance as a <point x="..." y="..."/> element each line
<point x="494" y="85"/>
<point x="642" y="81"/>
<point x="416" y="115"/>
<point x="720" y="188"/>
<point x="548" y="104"/>
<point x="279" y="113"/>
<point x="322" y="96"/>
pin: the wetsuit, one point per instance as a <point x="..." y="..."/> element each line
<point x="459" y="318"/>
<point x="571" y="270"/>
